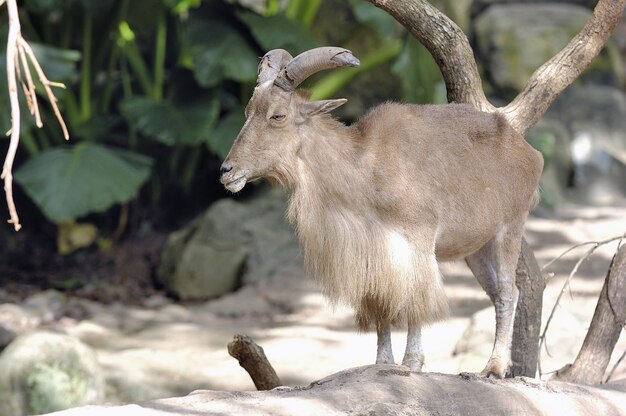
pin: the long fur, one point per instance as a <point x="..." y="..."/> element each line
<point x="358" y="259"/>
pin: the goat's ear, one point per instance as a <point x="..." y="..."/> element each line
<point x="312" y="108"/>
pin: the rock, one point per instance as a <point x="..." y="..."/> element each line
<point x="379" y="390"/>
<point x="479" y="5"/>
<point x="48" y="305"/>
<point x="36" y="310"/>
<point x="45" y="371"/>
<point x="230" y="244"/>
<point x="595" y="118"/>
<point x="513" y="40"/>
<point x="6" y="336"/>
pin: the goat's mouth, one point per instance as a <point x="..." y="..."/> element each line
<point x="235" y="185"/>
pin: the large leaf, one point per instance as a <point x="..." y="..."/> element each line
<point x="190" y="123"/>
<point x="69" y="182"/>
<point x="59" y="65"/>
<point x="278" y="31"/>
<point x="224" y="134"/>
<point x="219" y="52"/>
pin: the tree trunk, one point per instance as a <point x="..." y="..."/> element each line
<point x="606" y="325"/>
<point x="527" y="326"/>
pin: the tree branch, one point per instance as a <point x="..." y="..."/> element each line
<point x="447" y="44"/>
<point x="607" y="323"/>
<point x="252" y="358"/>
<point x="559" y="72"/>
<point x="19" y="53"/>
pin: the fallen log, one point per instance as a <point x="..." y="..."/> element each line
<point x="388" y="389"/>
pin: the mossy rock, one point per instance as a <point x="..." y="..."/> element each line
<point x="45" y="371"/>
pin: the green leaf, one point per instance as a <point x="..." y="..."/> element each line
<point x="378" y="19"/>
<point x="278" y="31"/>
<point x="69" y="182"/>
<point x="59" y="65"/>
<point x="183" y="124"/>
<point x="219" y="52"/>
<point x="182" y="6"/>
<point x="225" y="133"/>
<point x="421" y="79"/>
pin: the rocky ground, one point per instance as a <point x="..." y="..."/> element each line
<point x="165" y="348"/>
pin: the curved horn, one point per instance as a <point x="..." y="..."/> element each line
<point x="271" y="64"/>
<point x="307" y="63"/>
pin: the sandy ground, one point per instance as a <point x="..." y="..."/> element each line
<point x="174" y="349"/>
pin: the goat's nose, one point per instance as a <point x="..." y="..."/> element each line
<point x="225" y="168"/>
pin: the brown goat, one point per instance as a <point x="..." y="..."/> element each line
<point x="378" y="203"/>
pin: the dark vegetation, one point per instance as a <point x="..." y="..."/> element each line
<point x="153" y="99"/>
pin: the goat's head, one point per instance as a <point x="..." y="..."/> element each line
<point x="269" y="140"/>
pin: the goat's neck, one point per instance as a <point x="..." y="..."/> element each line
<point x="328" y="162"/>
<point x="328" y="177"/>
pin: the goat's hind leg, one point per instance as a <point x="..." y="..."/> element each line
<point x="494" y="267"/>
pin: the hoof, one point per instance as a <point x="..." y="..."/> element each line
<point x="415" y="364"/>
<point x="495" y="368"/>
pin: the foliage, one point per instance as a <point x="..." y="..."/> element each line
<point x="155" y="87"/>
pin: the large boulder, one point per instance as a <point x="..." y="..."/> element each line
<point x="231" y="244"/>
<point x="44" y="371"/>
<point x="513" y="40"/>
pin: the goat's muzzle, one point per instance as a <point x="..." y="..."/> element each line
<point x="233" y="180"/>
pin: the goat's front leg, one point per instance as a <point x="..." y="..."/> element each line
<point x="414" y="355"/>
<point x="384" y="354"/>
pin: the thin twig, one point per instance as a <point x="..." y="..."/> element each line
<point x="30" y="92"/>
<point x="609" y="240"/>
<point x="46" y="84"/>
<point x="596" y="244"/>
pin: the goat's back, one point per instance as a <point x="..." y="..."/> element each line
<point x="464" y="171"/>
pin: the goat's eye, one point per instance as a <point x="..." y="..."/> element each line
<point x="278" y="117"/>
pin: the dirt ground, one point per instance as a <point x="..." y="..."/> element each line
<point x="151" y="346"/>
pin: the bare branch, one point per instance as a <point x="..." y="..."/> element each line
<point x="46" y="84"/>
<point x="607" y="323"/>
<point x="453" y="53"/>
<point x="19" y="54"/>
<point x="447" y="44"/>
<point x="29" y="88"/>
<point x="596" y="243"/>
<point x="559" y="72"/>
<point x="7" y="176"/>
<point x="252" y="358"/>
<point x="595" y="246"/>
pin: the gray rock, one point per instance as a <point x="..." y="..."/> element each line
<point x="513" y="40"/>
<point x="44" y="371"/>
<point x="595" y="118"/>
<point x="231" y="244"/>
<point x="6" y="336"/>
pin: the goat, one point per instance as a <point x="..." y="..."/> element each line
<point x="376" y="204"/>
